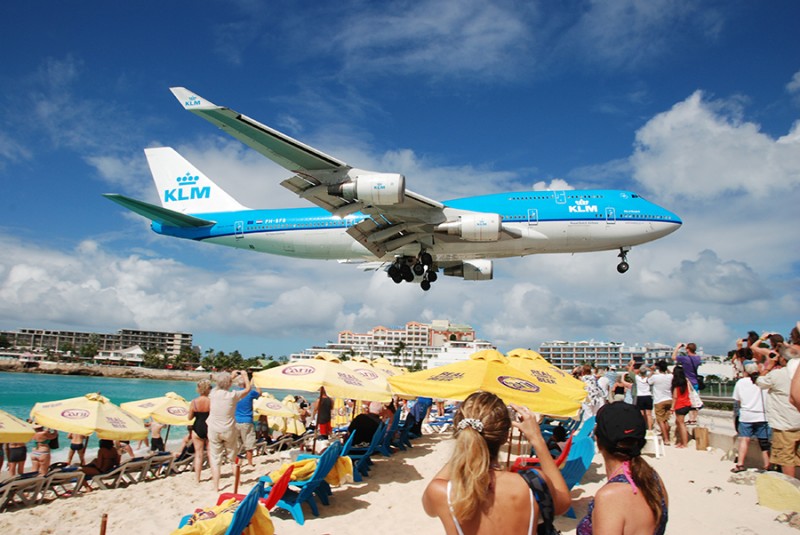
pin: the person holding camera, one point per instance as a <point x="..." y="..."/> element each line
<point x="222" y="435"/>
<point x="762" y="354"/>
<point x="749" y="399"/>
<point x="782" y="416"/>
<point x="473" y="494"/>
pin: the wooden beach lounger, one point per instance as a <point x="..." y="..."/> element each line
<point x="22" y="490"/>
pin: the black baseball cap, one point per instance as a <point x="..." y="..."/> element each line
<point x="621" y="428"/>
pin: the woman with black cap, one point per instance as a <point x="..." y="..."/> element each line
<point x="634" y="500"/>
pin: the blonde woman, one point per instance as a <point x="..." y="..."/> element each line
<point x="199" y="409"/>
<point x="472" y="494"/>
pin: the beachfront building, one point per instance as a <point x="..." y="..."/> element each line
<point x="412" y="345"/>
<point x="132" y="356"/>
<point x="168" y="343"/>
<point x="567" y="355"/>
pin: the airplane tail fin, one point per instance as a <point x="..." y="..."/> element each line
<point x="183" y="188"/>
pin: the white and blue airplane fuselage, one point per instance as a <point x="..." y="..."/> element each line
<point x="572" y="221"/>
<point x="369" y="217"/>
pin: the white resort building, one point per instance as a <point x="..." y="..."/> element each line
<point x="567" y="355"/>
<point x="415" y="344"/>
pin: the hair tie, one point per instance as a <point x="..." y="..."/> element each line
<point x="474" y="423"/>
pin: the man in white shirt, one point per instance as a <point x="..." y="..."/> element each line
<point x="222" y="435"/>
<point x="603" y="382"/>
<point x="782" y="416"/>
<point x="661" y="390"/>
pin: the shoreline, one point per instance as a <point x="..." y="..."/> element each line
<point x="97" y="370"/>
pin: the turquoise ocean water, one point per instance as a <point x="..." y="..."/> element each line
<point x="20" y="391"/>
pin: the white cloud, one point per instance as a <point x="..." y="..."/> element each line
<point x="694" y="327"/>
<point x="794" y="85"/>
<point x="703" y="149"/>
<point x="707" y="280"/>
<point x="627" y="33"/>
<point x="467" y="38"/>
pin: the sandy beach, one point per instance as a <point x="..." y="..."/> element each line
<point x="703" y="499"/>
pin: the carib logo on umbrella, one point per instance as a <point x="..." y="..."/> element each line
<point x="515" y="383"/>
<point x="367" y="374"/>
<point x="75" y="414"/>
<point x="298" y="370"/>
<point x="177" y="411"/>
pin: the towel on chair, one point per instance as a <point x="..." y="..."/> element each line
<point x="215" y="521"/>
<point x="342" y="471"/>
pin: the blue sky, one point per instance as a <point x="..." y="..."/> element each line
<point x="694" y="105"/>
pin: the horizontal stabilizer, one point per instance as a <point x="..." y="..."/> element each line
<point x="158" y="214"/>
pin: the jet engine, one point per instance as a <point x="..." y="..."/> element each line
<point x="472" y="270"/>
<point x="374" y="189"/>
<point x="474" y="227"/>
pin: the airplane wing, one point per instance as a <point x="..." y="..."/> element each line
<point x="158" y="214"/>
<point x="331" y="183"/>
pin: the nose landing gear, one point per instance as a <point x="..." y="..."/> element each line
<point x="623" y="266"/>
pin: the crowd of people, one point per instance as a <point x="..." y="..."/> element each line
<point x="765" y="408"/>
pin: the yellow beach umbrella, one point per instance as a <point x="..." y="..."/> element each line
<point x="342" y="414"/>
<point x="12" y="429"/>
<point x="269" y="406"/>
<point x="169" y="409"/>
<point x="543" y="373"/>
<point x="89" y="414"/>
<point x="322" y="371"/>
<point x="388" y="367"/>
<point x="486" y="370"/>
<point x="289" y="424"/>
<point x="373" y="375"/>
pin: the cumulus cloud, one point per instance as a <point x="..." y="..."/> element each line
<point x="693" y="326"/>
<point x="704" y="149"/>
<point x="794" y="85"/>
<point x="707" y="280"/>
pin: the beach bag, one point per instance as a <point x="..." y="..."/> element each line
<point x="694" y="397"/>
<point x="541" y="494"/>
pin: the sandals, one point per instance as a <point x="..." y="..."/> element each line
<point x="738" y="468"/>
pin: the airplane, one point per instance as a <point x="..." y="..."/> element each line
<point x="371" y="218"/>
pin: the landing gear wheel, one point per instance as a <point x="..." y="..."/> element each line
<point x="405" y="272"/>
<point x="425" y="285"/>
<point x="426" y="259"/>
<point x="397" y="278"/>
<point x="393" y="271"/>
<point x="432" y="276"/>
<point x="623" y="266"/>
<point x="418" y="269"/>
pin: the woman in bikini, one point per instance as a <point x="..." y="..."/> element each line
<point x="77" y="444"/>
<point x="634" y="500"/>
<point x="198" y="409"/>
<point x="40" y="456"/>
<point x="108" y="458"/>
<point x="472" y="493"/>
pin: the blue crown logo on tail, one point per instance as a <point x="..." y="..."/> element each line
<point x="187" y="180"/>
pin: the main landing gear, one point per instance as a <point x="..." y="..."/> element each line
<point x="408" y="268"/>
<point x="623" y="266"/>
